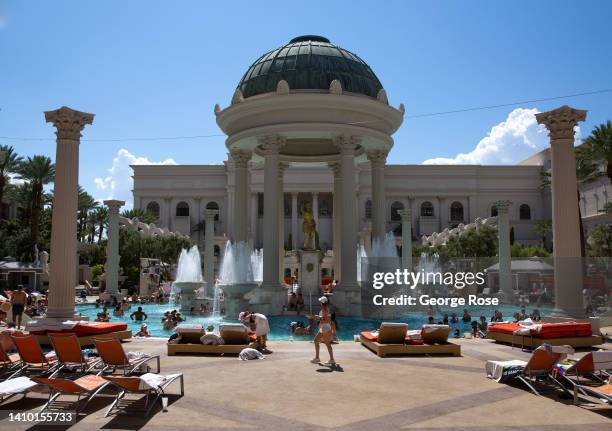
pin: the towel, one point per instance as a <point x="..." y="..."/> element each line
<point x="155" y="381"/>
<point x="502" y="371"/>
<point x="16" y="386"/>
<point x="250" y="354"/>
<point x="212" y="339"/>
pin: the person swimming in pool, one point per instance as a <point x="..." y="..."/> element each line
<point x="138" y="315"/>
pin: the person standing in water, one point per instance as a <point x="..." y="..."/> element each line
<point x="325" y="334"/>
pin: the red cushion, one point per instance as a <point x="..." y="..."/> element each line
<point x="369" y="336"/>
<point x="548" y="330"/>
<point x="91" y="328"/>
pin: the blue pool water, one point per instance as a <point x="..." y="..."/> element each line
<point x="279" y="326"/>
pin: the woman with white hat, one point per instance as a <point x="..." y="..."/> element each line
<point x="324" y="335"/>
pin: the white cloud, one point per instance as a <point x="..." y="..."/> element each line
<point x="511" y="141"/>
<point x="119" y="184"/>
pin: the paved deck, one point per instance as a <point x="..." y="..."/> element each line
<point x="286" y="392"/>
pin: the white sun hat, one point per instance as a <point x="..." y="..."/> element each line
<point x="323" y="300"/>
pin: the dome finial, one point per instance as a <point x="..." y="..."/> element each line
<point x="310" y="38"/>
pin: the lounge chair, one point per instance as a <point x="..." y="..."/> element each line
<point x="9" y="364"/>
<point x="16" y="386"/>
<point x="87" y="386"/>
<point x="32" y="357"/>
<point x="69" y="352"/>
<point x="235" y="337"/>
<point x="153" y="386"/>
<point x="594" y="369"/>
<point x="395" y="339"/>
<point x="538" y="367"/>
<point x="114" y="358"/>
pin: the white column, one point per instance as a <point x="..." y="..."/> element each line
<point x="62" y="279"/>
<point x="315" y="208"/>
<point x="253" y="221"/>
<point x="294" y="219"/>
<point x="566" y="219"/>
<point x="270" y="148"/>
<point x="337" y="214"/>
<point x="240" y="211"/>
<point x="504" y="252"/>
<point x="406" y="215"/>
<point x="281" y="223"/>
<point x="444" y="213"/>
<point x="112" y="247"/>
<point x="348" y="259"/>
<point x="209" y="251"/>
<point x="168" y="208"/>
<point x="377" y="160"/>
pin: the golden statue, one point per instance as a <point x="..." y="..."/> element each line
<point x="309" y="227"/>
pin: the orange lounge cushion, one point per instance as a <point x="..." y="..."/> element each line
<point x="92" y="328"/>
<point x="548" y="330"/>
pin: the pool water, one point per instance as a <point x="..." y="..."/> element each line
<point x="279" y="325"/>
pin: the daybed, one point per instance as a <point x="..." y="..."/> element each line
<point x="575" y="334"/>
<point x="85" y="331"/>
<point x="234" y="335"/>
<point x="395" y="339"/>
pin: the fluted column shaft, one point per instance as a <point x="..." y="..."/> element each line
<point x="112" y="247"/>
<point x="281" y="223"/>
<point x="348" y="259"/>
<point x="377" y="161"/>
<point x="337" y="221"/>
<point x="62" y="279"/>
<point x="270" y="149"/>
<point x="209" y="251"/>
<point x="406" y="215"/>
<point x="240" y="224"/>
<point x="566" y="219"/>
<point x="504" y="250"/>
<point x="294" y="219"/>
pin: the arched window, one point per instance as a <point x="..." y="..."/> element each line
<point x="395" y="208"/>
<point x="182" y="209"/>
<point x="456" y="211"/>
<point x="427" y="209"/>
<point x="493" y="211"/>
<point x="524" y="212"/>
<point x="153" y="209"/>
<point x="368" y="209"/>
<point x="212" y="205"/>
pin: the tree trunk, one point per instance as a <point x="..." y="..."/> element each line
<point x="2" y="185"/>
<point x="100" y="232"/>
<point x="609" y="170"/>
<point x="35" y="216"/>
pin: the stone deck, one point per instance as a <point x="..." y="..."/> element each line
<point x="365" y="392"/>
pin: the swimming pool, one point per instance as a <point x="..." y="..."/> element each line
<point x="279" y="325"/>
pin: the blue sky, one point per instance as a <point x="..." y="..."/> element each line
<point x="152" y="68"/>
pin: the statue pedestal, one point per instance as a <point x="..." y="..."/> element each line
<point x="310" y="272"/>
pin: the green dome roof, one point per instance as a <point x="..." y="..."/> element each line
<point x="309" y="63"/>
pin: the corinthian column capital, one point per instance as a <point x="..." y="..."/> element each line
<point x="68" y="122"/>
<point x="240" y="157"/>
<point x="347" y="144"/>
<point x="377" y="158"/>
<point x="560" y="122"/>
<point x="336" y="168"/>
<point x="502" y="206"/>
<point x="271" y="145"/>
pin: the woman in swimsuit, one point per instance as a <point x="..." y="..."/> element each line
<point x="324" y="335"/>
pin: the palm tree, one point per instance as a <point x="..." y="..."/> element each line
<point x="38" y="171"/>
<point x="85" y="204"/>
<point x="10" y="165"/>
<point x="21" y="194"/>
<point x="100" y="218"/>
<point x="140" y="214"/>
<point x="599" y="146"/>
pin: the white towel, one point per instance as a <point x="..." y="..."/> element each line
<point x="16" y="386"/>
<point x="155" y="381"/>
<point x="495" y="369"/>
<point x="249" y="354"/>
